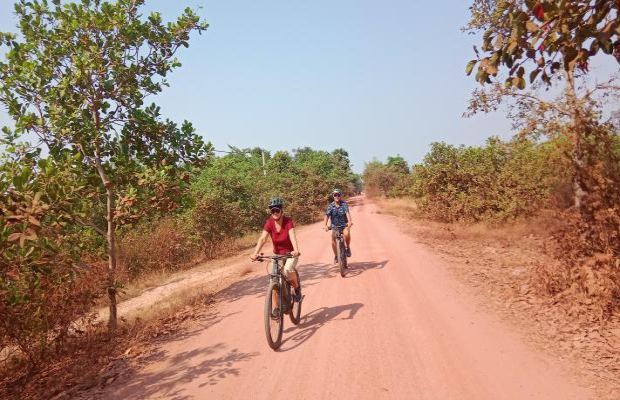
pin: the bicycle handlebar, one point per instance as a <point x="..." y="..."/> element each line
<point x="262" y="257"/>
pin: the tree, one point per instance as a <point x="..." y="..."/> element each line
<point x="553" y="41"/>
<point x="545" y="40"/>
<point x="398" y="164"/>
<point x="549" y="37"/>
<point x="77" y="77"/>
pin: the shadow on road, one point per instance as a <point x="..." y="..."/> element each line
<point x="313" y="321"/>
<point x="310" y="274"/>
<point x="358" y="268"/>
<point x="180" y="369"/>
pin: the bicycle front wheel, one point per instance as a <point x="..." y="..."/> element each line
<point x="273" y="316"/>
<point x="342" y="259"/>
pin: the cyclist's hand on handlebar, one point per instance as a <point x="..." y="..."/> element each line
<point x="254" y="257"/>
<point x="295" y="254"/>
<point x="326" y="228"/>
<point x="350" y="224"/>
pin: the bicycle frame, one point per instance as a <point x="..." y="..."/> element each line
<point x="277" y="272"/>
<point x="338" y="230"/>
<point x="283" y="293"/>
<point x="340" y="247"/>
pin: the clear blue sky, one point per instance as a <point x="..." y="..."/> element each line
<point x="376" y="78"/>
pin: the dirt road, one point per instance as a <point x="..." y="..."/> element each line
<point x="398" y="327"/>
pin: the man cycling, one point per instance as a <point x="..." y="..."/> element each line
<point x="338" y="212"/>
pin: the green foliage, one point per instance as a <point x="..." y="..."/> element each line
<point x="44" y="283"/>
<point x="76" y="78"/>
<point x="535" y="40"/>
<point x="492" y="183"/>
<point x="232" y="193"/>
<point x="392" y="179"/>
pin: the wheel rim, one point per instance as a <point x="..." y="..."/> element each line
<point x="274" y="323"/>
<point x="342" y="258"/>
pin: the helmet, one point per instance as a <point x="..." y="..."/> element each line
<point x="337" y="191"/>
<point x="276" y="202"/>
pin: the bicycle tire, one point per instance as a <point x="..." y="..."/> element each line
<point x="295" y="312"/>
<point x="342" y="258"/>
<point x="273" y="327"/>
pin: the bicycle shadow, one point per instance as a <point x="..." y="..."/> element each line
<point x="313" y="321"/>
<point x="358" y="268"/>
<point x="310" y="275"/>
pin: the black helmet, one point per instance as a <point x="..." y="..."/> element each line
<point x="276" y="202"/>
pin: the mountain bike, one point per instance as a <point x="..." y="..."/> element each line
<point x="340" y="249"/>
<point x="279" y="300"/>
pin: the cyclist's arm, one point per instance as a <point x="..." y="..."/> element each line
<point x="326" y="221"/>
<point x="291" y="234"/>
<point x="349" y="219"/>
<point x="259" y="244"/>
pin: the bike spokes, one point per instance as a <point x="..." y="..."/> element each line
<point x="273" y="316"/>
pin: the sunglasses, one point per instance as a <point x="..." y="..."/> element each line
<point x="276" y="210"/>
<point x="336" y="195"/>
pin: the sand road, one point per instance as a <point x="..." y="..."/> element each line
<point x="396" y="327"/>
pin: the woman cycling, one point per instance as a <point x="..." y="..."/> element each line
<point x="282" y="232"/>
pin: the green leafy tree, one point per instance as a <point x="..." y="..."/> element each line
<point x="546" y="37"/>
<point x="552" y="42"/>
<point x="398" y="164"/>
<point x="77" y="76"/>
<point x="391" y="179"/>
<point x="44" y="284"/>
<point x="546" y="40"/>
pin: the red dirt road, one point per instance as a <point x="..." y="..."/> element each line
<point x="397" y="327"/>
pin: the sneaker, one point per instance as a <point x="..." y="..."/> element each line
<point x="348" y="252"/>
<point x="336" y="260"/>
<point x="275" y="314"/>
<point x="298" y="294"/>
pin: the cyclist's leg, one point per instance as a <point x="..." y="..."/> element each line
<point x="346" y="232"/>
<point x="289" y="270"/>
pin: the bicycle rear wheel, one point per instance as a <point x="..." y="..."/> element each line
<point x="295" y="312"/>
<point x="273" y="316"/>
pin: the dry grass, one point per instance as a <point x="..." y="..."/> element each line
<point x="401" y="207"/>
<point x="155" y="278"/>
<point x="540" y="226"/>
<point x="92" y="361"/>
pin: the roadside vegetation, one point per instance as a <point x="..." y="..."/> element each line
<point x="98" y="190"/>
<point x="565" y="157"/>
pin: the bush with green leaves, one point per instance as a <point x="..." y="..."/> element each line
<point x="45" y="282"/>
<point x="392" y="179"/>
<point x="495" y="182"/>
<point x="492" y="183"/>
<point x="233" y="191"/>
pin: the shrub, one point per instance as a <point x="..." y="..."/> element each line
<point x="45" y="285"/>
<point x="163" y="245"/>
<point x="493" y="183"/>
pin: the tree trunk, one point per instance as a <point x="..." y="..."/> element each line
<point x="111" y="278"/>
<point x="111" y="244"/>
<point x="577" y="128"/>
